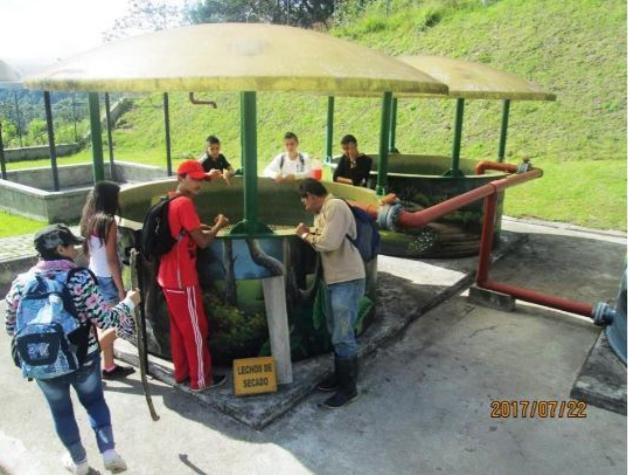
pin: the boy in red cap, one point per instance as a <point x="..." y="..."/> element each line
<point x="178" y="279"/>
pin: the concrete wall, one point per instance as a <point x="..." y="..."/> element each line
<point x="22" y="193"/>
<point x="72" y="176"/>
<point x="39" y="151"/>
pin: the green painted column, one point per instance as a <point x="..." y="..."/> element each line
<point x="329" y="129"/>
<point x="51" y="140"/>
<point x="167" y="132"/>
<point x="454" y="171"/>
<point x="504" y="131"/>
<point x="248" y="130"/>
<point x="384" y="138"/>
<point x="392" y="143"/>
<point x="94" y="121"/>
<point x="109" y="136"/>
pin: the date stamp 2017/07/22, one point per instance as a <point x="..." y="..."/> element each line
<point x="540" y="409"/>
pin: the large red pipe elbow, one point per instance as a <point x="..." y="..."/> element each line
<point x="484" y="165"/>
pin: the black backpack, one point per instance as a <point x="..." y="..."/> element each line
<point x="368" y="238"/>
<point x="156" y="238"/>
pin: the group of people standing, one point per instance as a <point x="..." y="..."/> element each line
<point x="98" y="300"/>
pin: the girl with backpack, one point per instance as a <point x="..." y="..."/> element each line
<point x="99" y="228"/>
<point x="50" y="312"/>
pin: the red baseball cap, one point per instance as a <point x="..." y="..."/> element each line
<point x="194" y="169"/>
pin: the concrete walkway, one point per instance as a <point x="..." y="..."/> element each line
<point x="425" y="403"/>
<point x="16" y="247"/>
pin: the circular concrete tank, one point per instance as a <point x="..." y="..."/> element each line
<point x="231" y="270"/>
<point x="419" y="183"/>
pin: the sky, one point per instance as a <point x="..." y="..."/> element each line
<point x="39" y="32"/>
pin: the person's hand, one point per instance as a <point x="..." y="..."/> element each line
<point x="205" y="227"/>
<point x="214" y="173"/>
<point x="135" y="296"/>
<point x="301" y="228"/>
<point x="289" y="178"/>
<point x="221" y="221"/>
<point x="280" y="179"/>
<point x="121" y="295"/>
<point x="225" y="176"/>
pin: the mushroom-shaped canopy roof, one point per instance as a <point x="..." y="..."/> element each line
<point x="9" y="78"/>
<point x="476" y="80"/>
<point x="234" y="57"/>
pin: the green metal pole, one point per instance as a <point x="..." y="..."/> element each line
<point x="109" y="135"/>
<point x="51" y="140"/>
<point x="3" y="165"/>
<point x="94" y="121"/>
<point x="455" y="156"/>
<point x="167" y="130"/>
<point x="329" y="131"/>
<point x="392" y="146"/>
<point x="248" y="130"/>
<point x="384" y="137"/>
<point x="504" y="132"/>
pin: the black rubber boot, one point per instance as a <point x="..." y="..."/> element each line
<point x="347" y="371"/>
<point x="330" y="383"/>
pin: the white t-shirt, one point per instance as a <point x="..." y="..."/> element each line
<point x="297" y="167"/>
<point x="98" y="262"/>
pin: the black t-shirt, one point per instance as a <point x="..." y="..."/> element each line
<point x="359" y="173"/>
<point x="220" y="163"/>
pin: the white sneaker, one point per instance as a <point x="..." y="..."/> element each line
<point x="113" y="462"/>
<point x="81" y="468"/>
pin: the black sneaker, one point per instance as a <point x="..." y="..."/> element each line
<point x="329" y="384"/>
<point x="341" y="398"/>
<point x="118" y="372"/>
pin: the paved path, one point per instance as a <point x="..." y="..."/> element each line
<point x="425" y="402"/>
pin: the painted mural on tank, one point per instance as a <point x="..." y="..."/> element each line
<point x="419" y="182"/>
<point x="230" y="273"/>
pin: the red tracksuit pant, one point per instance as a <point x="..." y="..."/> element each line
<point x="188" y="336"/>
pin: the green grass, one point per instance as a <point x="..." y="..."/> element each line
<point x="576" y="49"/>
<point x="12" y="225"/>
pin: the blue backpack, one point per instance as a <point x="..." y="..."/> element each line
<point x="367" y="240"/>
<point x="49" y="340"/>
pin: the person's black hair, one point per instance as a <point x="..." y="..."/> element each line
<point x="291" y="135"/>
<point x="50" y="255"/>
<point x="347" y="139"/>
<point x="212" y="139"/>
<point x="99" y="210"/>
<point x="313" y="187"/>
<point x="48" y="239"/>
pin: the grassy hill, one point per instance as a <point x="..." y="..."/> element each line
<point x="576" y="49"/>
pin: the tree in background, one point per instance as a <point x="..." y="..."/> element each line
<point x="145" y="16"/>
<point x="304" y="13"/>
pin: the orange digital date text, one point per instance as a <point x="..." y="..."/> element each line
<point x="538" y="409"/>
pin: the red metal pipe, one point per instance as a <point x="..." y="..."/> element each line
<point x="484" y="165"/>
<point x="421" y="218"/>
<point x="573" y="306"/>
<point x="513" y="180"/>
<point x="418" y="219"/>
<point x="486" y="242"/>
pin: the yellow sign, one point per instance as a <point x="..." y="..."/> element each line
<point x="254" y="376"/>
